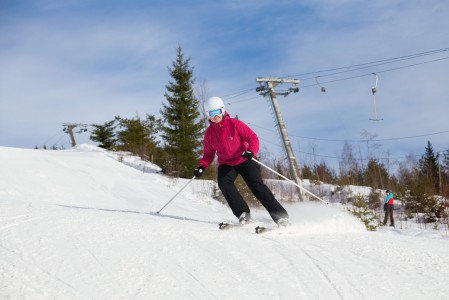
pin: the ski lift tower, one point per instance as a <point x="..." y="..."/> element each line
<point x="69" y="127"/>
<point x="267" y="86"/>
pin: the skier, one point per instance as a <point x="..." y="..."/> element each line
<point x="235" y="144"/>
<point x="388" y="208"/>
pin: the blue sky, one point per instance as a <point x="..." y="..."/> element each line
<point x="88" y="61"/>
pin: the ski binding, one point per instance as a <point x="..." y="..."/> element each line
<point x="261" y="229"/>
<point x="225" y="225"/>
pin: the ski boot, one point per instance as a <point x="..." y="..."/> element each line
<point x="245" y="218"/>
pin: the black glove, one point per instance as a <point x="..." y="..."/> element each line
<point x="199" y="171"/>
<point x="385" y="207"/>
<point x="248" y="154"/>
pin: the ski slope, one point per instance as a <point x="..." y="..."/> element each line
<point x="80" y="224"/>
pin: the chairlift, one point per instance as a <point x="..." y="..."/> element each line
<point x="374" y="91"/>
<point x="323" y="89"/>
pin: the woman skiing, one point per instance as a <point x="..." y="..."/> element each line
<point x="235" y="144"/>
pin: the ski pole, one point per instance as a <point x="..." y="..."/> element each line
<point x="176" y="194"/>
<point x="263" y="165"/>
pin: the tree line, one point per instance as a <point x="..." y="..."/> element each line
<point x="421" y="184"/>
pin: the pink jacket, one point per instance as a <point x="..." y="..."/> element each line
<point x="228" y="139"/>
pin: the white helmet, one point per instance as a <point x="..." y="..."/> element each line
<point x="213" y="103"/>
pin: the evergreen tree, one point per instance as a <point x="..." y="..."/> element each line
<point x="320" y="172"/>
<point x="375" y="200"/>
<point x="307" y="173"/>
<point x="104" y="134"/>
<point x="428" y="169"/>
<point x="376" y="175"/>
<point x="138" y="136"/>
<point x="324" y="173"/>
<point x="181" y="129"/>
<point x="361" y="210"/>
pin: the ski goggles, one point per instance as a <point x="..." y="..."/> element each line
<point x="215" y="112"/>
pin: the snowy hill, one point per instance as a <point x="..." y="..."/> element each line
<point x="82" y="224"/>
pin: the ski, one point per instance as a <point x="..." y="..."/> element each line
<point x="261" y="229"/>
<point x="225" y="225"/>
<point x="258" y="229"/>
<point x="228" y="225"/>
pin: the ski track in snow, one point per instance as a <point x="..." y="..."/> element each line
<point x="17" y="221"/>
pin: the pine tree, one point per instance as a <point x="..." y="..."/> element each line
<point x="320" y="172"/>
<point x="104" y="134"/>
<point x="138" y="136"/>
<point x="324" y="173"/>
<point x="428" y="168"/>
<point x="376" y="175"/>
<point x="306" y="172"/>
<point x="182" y="127"/>
<point x="361" y="210"/>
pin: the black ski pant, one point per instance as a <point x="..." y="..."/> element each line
<point x="250" y="172"/>
<point x="389" y="212"/>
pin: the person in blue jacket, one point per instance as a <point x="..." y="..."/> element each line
<point x="388" y="208"/>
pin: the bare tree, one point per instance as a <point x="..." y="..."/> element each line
<point x="201" y="93"/>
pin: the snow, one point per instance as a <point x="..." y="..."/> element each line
<point x="82" y="224"/>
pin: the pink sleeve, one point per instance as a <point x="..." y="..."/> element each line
<point x="250" y="137"/>
<point x="208" y="152"/>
